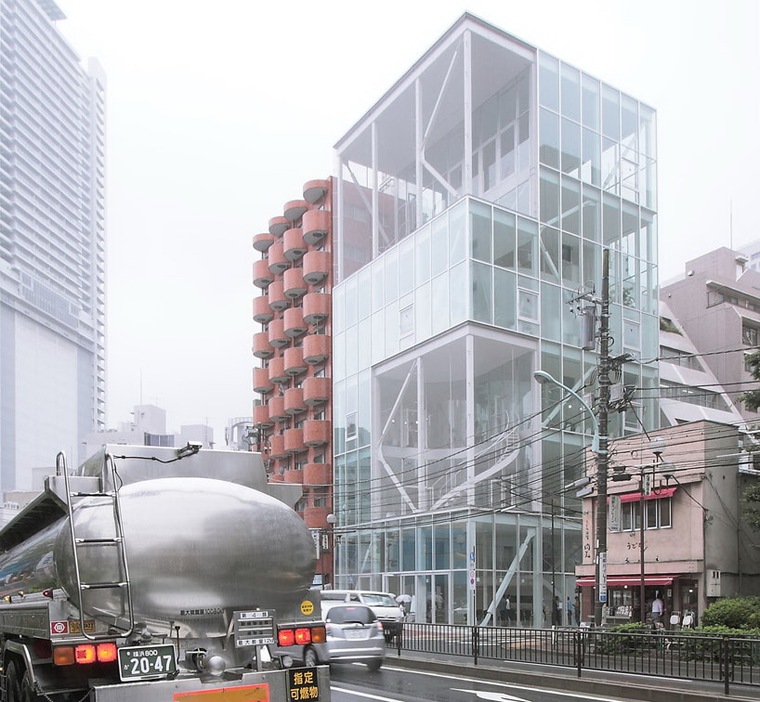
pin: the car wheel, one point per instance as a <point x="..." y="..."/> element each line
<point x="374" y="665"/>
<point x="310" y="658"/>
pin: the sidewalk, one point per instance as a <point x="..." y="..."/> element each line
<point x="593" y="682"/>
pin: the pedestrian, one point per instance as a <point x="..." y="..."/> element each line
<point x="577" y="610"/>
<point x="570" y="611"/>
<point x="658" y="608"/>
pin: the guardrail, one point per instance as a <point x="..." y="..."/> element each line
<point x="668" y="654"/>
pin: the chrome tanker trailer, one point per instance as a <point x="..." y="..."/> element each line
<point x="157" y="574"/>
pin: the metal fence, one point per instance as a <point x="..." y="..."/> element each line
<point x="726" y="659"/>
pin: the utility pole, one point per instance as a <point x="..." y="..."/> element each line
<point x="602" y="456"/>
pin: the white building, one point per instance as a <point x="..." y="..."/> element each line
<point x="148" y="428"/>
<point x="52" y="244"/>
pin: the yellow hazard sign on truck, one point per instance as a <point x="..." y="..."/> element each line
<point x="307" y="608"/>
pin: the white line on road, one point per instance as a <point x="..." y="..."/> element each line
<point x="363" y="694"/>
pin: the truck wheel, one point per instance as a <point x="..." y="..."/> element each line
<point x="18" y="690"/>
<point x="27" y="689"/>
<point x="12" y="686"/>
<point x="310" y="658"/>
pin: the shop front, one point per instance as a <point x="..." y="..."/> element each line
<point x="678" y="594"/>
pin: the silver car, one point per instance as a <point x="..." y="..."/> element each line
<point x="354" y="635"/>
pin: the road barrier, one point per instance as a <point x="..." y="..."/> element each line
<point x="730" y="659"/>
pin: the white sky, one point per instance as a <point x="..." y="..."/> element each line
<point x="218" y="112"/>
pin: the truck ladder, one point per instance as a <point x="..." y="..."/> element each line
<point x="108" y="491"/>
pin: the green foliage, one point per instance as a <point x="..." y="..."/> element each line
<point x="751" y="497"/>
<point x="740" y="613"/>
<point x="751" y="398"/>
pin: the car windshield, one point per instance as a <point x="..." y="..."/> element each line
<point x="379" y="599"/>
<point x="350" y="615"/>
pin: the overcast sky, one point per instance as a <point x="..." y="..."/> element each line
<point x="218" y="112"/>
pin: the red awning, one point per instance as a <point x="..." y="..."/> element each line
<point x="654" y="495"/>
<point x="630" y="580"/>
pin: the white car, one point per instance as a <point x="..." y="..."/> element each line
<point x="383" y="604"/>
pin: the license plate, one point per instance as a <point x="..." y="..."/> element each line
<point x="355" y="635"/>
<point x="144" y="662"/>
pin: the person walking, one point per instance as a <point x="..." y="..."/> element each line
<point x="658" y="608"/>
<point x="570" y="607"/>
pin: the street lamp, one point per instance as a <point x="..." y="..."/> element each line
<point x="599" y="447"/>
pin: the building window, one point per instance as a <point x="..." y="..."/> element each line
<point x="750" y="335"/>
<point x="657" y="513"/>
<point x="407" y="320"/>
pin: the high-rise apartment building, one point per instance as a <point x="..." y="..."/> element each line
<point x="292" y="418"/>
<point x="472" y="206"/>
<point x="52" y="243"/>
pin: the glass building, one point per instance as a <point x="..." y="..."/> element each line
<point x="472" y="205"/>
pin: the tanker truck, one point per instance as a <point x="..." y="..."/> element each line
<point x="160" y="575"/>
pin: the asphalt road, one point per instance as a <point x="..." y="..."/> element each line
<point x="354" y="683"/>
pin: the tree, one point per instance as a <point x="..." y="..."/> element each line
<point x="752" y="505"/>
<point x="751" y="398"/>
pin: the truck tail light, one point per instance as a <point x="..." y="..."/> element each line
<point x="85" y="654"/>
<point x="301" y="636"/>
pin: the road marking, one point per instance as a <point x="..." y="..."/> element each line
<point x="547" y="690"/>
<point x="492" y="696"/>
<point x="363" y="694"/>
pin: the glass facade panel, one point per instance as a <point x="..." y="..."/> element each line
<point x="548" y="82"/>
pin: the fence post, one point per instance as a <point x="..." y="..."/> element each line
<point x="724" y="657"/>
<point x="579" y="642"/>
<point x="399" y="637"/>
<point x="475" y="643"/>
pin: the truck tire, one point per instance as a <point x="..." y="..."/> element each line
<point x="310" y="658"/>
<point x="374" y="666"/>
<point x="18" y="685"/>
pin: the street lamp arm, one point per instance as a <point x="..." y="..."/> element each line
<point x="543" y="377"/>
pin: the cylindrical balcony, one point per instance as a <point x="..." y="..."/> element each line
<point x="277" y="372"/>
<point x="316" y="391"/>
<point x="278" y="300"/>
<point x="316" y="432"/>
<point x="262" y="242"/>
<point x="316" y="517"/>
<point x="294" y="441"/>
<point x="277" y="446"/>
<point x="295" y="209"/>
<point x="261" y="381"/>
<point x="261" y="417"/>
<point x="316" y="225"/>
<point x="262" y="313"/>
<point x="294" y="403"/>
<point x="293" y="244"/>
<point x="316" y="349"/>
<point x="317" y="474"/>
<point x="262" y="276"/>
<point x="294" y="363"/>
<point x="277" y="261"/>
<point x="316" y="307"/>
<point x="315" y="190"/>
<point x="261" y="346"/>
<point x="294" y="324"/>
<point x="277" y="409"/>
<point x="278" y="225"/>
<point x="277" y="336"/>
<point x="316" y="267"/>
<point x="294" y="284"/>
<point x="293" y="476"/>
